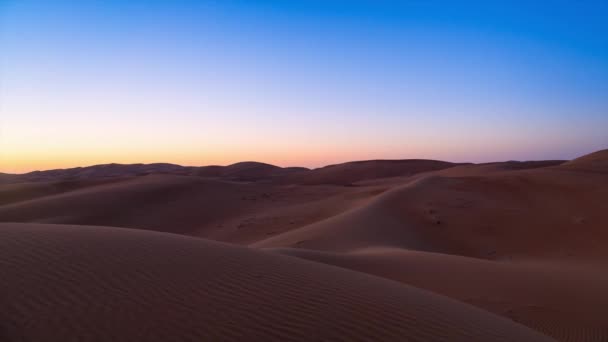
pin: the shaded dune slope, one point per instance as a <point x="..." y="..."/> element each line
<point x="18" y="192"/>
<point x="102" y="284"/>
<point x="565" y="300"/>
<point x="221" y="210"/>
<point x="171" y="203"/>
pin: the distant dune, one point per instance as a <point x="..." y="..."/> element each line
<point x="340" y="174"/>
<point x="379" y="250"/>
<point x="102" y="171"/>
<point x="349" y="173"/>
<point x="245" y="171"/>
<point x="486" y="168"/>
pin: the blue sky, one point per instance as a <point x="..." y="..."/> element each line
<point x="299" y="82"/>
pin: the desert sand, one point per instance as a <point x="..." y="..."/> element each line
<point x="101" y="283"/>
<point x="413" y="250"/>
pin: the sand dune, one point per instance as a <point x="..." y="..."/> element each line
<point x="5" y="177"/>
<point x="130" y="202"/>
<point x="339" y="174"/>
<point x="349" y="173"/>
<point x="102" y="171"/>
<point x="165" y="203"/>
<point x="489" y="168"/>
<point x="103" y="284"/>
<point x="565" y="300"/>
<point x="525" y="243"/>
<point x="227" y="211"/>
<point x="248" y="171"/>
<point x="597" y="161"/>
<point x="257" y="171"/>
<point x="522" y="241"/>
<point x="244" y="171"/>
<point x="19" y="192"/>
<point x="543" y="212"/>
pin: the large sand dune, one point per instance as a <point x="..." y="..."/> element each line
<point x="68" y="283"/>
<point x="550" y="212"/>
<point x="525" y="243"/>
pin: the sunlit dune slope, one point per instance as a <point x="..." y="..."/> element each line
<point x="542" y="212"/>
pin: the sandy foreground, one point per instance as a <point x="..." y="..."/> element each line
<point x="377" y="251"/>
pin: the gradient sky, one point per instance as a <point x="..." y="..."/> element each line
<point x="299" y="82"/>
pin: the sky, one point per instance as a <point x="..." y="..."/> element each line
<point x="304" y="83"/>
